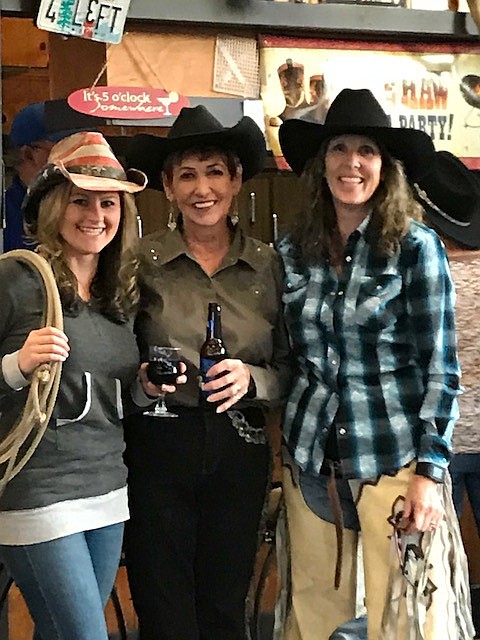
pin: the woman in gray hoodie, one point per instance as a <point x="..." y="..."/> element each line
<point x="61" y="517"/>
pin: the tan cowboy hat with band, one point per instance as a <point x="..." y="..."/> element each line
<point x="197" y="128"/>
<point x="86" y="160"/>
<point x="356" y="111"/>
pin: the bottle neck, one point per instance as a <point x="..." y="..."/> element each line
<point x="214" y="326"/>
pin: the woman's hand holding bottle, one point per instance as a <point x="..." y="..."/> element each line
<point x="223" y="380"/>
<point x="229" y="381"/>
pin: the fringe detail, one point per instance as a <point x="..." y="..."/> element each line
<point x="413" y="577"/>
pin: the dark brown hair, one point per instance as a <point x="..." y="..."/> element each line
<point x="203" y="153"/>
<point x="316" y="233"/>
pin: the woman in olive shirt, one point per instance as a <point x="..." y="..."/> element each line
<point x="197" y="482"/>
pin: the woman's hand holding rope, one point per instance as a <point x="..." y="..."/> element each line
<point x="41" y="346"/>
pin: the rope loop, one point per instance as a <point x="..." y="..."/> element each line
<point x="19" y="445"/>
<point x="43" y="373"/>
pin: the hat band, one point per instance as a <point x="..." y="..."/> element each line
<point x="116" y="173"/>
<point x="432" y="205"/>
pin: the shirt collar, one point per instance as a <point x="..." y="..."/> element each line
<point x="362" y="227"/>
<point x="360" y="231"/>
<point x="168" y="246"/>
<point x="173" y="245"/>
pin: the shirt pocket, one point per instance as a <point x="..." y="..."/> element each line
<point x="75" y="402"/>
<point x="377" y="301"/>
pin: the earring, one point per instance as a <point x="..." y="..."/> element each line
<point x="234" y="217"/>
<point x="172" y="223"/>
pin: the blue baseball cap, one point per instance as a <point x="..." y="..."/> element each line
<point x="29" y="126"/>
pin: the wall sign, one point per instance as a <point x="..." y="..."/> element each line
<point x="101" y="20"/>
<point x="128" y="103"/>
<point x="431" y="87"/>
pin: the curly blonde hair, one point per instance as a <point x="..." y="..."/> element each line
<point x="114" y="288"/>
<point x="316" y="235"/>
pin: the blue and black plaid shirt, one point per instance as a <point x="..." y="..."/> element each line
<point x="377" y="340"/>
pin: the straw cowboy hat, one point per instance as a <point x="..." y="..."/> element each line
<point x="356" y="111"/>
<point x="196" y="127"/>
<point x="450" y="196"/>
<point x="86" y="160"/>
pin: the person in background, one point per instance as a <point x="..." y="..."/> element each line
<point x="369" y="304"/>
<point x="61" y="517"/>
<point x="197" y="483"/>
<point x="450" y="195"/>
<point x="31" y="143"/>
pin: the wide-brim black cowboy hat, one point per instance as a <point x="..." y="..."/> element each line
<point x="196" y="127"/>
<point x="356" y="111"/>
<point x="450" y="196"/>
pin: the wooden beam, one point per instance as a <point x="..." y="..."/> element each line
<point x="317" y="20"/>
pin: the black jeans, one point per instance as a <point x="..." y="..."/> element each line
<point x="196" y="494"/>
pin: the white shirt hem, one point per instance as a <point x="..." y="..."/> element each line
<point x="31" y="526"/>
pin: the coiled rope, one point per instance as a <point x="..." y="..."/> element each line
<point x="44" y="385"/>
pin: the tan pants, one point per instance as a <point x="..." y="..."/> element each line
<point x="317" y="609"/>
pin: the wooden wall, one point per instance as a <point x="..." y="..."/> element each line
<point x="38" y="66"/>
<point x="174" y="60"/>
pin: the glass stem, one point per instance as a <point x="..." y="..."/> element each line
<point x="161" y="407"/>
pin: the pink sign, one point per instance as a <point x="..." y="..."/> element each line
<point x="127" y="103"/>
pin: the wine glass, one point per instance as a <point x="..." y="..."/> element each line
<point x="163" y="368"/>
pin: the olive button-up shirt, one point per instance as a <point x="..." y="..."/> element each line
<point x="175" y="292"/>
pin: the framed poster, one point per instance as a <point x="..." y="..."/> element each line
<point x="435" y="88"/>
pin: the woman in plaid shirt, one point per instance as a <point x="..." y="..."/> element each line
<point x="369" y="304"/>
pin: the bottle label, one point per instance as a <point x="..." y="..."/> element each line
<point x="205" y="365"/>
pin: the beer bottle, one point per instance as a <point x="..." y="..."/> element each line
<point x="213" y="350"/>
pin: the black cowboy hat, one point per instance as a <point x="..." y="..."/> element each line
<point x="197" y="127"/>
<point x="356" y="111"/>
<point x="450" y="196"/>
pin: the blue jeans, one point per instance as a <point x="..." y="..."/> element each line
<point x="465" y="472"/>
<point x="67" y="582"/>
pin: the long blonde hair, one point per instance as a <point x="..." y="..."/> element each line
<point x="316" y="234"/>
<point x="114" y="288"/>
